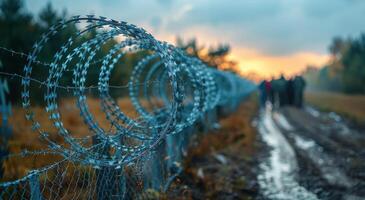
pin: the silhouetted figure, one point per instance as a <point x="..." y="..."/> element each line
<point x="268" y="90"/>
<point x="281" y="91"/>
<point x="263" y="94"/>
<point x="275" y="85"/>
<point x="290" y="91"/>
<point x="299" y="85"/>
<point x="270" y="96"/>
<point x="275" y="92"/>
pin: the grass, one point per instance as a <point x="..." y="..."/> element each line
<point x="349" y="106"/>
<point x="235" y="137"/>
<point x="74" y="176"/>
<point x="236" y="128"/>
<point x="23" y="138"/>
<point x="236" y="141"/>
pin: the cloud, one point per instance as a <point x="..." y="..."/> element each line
<point x="278" y="28"/>
<point x="180" y="14"/>
<point x="166" y="3"/>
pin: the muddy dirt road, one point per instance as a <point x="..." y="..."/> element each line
<point x="311" y="155"/>
<point x="286" y="153"/>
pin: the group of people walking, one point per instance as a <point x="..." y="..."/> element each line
<point x="281" y="92"/>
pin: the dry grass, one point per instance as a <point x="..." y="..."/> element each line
<point x="235" y="137"/>
<point x="350" y="106"/>
<point x="236" y="128"/>
<point x="23" y="138"/>
<point x="236" y="141"/>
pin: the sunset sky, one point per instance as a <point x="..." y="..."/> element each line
<point x="268" y="37"/>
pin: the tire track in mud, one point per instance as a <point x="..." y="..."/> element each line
<point x="312" y="155"/>
<point x="322" y="157"/>
<point x="278" y="177"/>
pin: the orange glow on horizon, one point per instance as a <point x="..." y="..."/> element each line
<point x="251" y="62"/>
<point x="267" y="66"/>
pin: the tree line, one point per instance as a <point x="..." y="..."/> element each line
<point x="345" y="71"/>
<point x="20" y="29"/>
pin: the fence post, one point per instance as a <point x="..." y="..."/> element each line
<point x="172" y="150"/>
<point x="5" y="129"/>
<point x="110" y="184"/>
<point x="209" y="120"/>
<point x="154" y="169"/>
<point x="35" y="188"/>
<point x="212" y="117"/>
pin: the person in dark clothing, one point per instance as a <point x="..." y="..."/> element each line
<point x="268" y="90"/>
<point x="263" y="94"/>
<point x="274" y="93"/>
<point x="282" y="91"/>
<point x="290" y="91"/>
<point x="270" y="94"/>
<point x="299" y="85"/>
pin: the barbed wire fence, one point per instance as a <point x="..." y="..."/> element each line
<point x="138" y="154"/>
<point x="5" y="110"/>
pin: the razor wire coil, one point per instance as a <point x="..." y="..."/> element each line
<point x="183" y="89"/>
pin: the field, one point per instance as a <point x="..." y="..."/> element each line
<point x="24" y="138"/>
<point x="234" y="140"/>
<point x="349" y="106"/>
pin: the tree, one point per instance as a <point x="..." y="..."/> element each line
<point x="213" y="56"/>
<point x="346" y="69"/>
<point x="48" y="16"/>
<point x="17" y="33"/>
<point x="353" y="61"/>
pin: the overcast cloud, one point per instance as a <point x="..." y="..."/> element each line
<point x="270" y="27"/>
<point x="277" y="27"/>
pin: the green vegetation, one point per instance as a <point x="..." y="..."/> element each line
<point x="350" y="106"/>
<point x="346" y="70"/>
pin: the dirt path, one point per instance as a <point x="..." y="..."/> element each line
<point x="281" y="154"/>
<point x="312" y="155"/>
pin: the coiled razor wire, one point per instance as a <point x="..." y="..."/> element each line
<point x="184" y="90"/>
